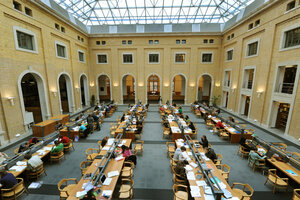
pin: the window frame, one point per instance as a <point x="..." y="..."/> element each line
<point x="244" y="78"/>
<point x="153" y="63"/>
<point x="127" y="53"/>
<point x="184" y="57"/>
<point x="97" y="60"/>
<point x="231" y="49"/>
<point x="283" y="38"/>
<point x="26" y="31"/>
<point x="212" y="57"/>
<point x="81" y="51"/>
<point x="247" y="47"/>
<point x="66" y="49"/>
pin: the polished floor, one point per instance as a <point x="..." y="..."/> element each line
<point x="152" y="176"/>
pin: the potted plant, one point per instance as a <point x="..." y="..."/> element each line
<point x="215" y="100"/>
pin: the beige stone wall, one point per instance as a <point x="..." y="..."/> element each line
<point x="13" y="63"/>
<point x="273" y="22"/>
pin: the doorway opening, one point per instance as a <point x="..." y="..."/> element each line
<point x="153" y="89"/>
<point x="128" y="84"/>
<point x="104" y="88"/>
<point x="178" y="89"/>
<point x="204" y="89"/>
<point x="84" y="91"/>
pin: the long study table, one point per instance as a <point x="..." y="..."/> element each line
<point x="112" y="166"/>
<point x="216" y="173"/>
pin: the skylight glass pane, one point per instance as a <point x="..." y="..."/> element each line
<point x="153" y="11"/>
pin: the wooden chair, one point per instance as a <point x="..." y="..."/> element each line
<point x="209" y="124"/>
<point x="219" y="160"/>
<point x="65" y="191"/>
<point x="112" y="126"/>
<point x="99" y="145"/>
<point x="14" y="192"/>
<point x="139" y="147"/>
<point x="126" y="189"/>
<point x="177" y="178"/>
<point x="84" y="166"/>
<point x="214" y="129"/>
<point x="166" y="132"/>
<point x="127" y="171"/>
<point x="251" y="130"/>
<point x="68" y="146"/>
<point x="225" y="170"/>
<point x="277" y="182"/>
<point x="296" y="194"/>
<point x="180" y="192"/>
<point x="243" y="152"/>
<point x="16" y="151"/>
<point x="280" y="145"/>
<point x="171" y="147"/>
<point x="172" y="161"/>
<point x="245" y="193"/>
<point x="91" y="153"/>
<point x="243" y="126"/>
<point x="36" y="172"/>
<point x="209" y="145"/>
<point x="224" y="135"/>
<point x="195" y="133"/>
<point x="262" y="164"/>
<point x="57" y="156"/>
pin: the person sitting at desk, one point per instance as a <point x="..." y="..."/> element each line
<point x="180" y="110"/>
<point x="178" y="154"/>
<point x="83" y="129"/>
<point x="231" y="119"/>
<point x="33" y="141"/>
<point x="187" y="119"/>
<point x="180" y="170"/>
<point x="33" y="161"/>
<point x="122" y="118"/>
<point x="8" y="180"/>
<point x="192" y="126"/>
<point x="247" y="147"/>
<point x="58" y="126"/>
<point x="3" y="157"/>
<point x="126" y="151"/>
<point x="254" y="158"/>
<point x="204" y="141"/>
<point x="104" y="141"/>
<point x="220" y="125"/>
<point x="58" y="147"/>
<point x="63" y="139"/>
<point x="23" y="147"/>
<point x="210" y="153"/>
<point x="96" y="119"/>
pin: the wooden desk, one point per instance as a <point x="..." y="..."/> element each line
<point x="112" y="166"/>
<point x="63" y="119"/>
<point x="129" y="134"/>
<point x="65" y="132"/>
<point x="17" y="173"/>
<point x="216" y="172"/>
<point x="285" y="166"/>
<point x="177" y="135"/>
<point x="44" y="128"/>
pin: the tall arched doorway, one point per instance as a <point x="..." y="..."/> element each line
<point x="153" y="89"/>
<point x="33" y="98"/>
<point x="104" y="88"/>
<point x="178" y="89"/>
<point x="65" y="93"/>
<point x="204" y="89"/>
<point x="128" y="88"/>
<point x="84" y="90"/>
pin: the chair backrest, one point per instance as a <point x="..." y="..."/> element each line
<point x="170" y="144"/>
<point x="296" y="195"/>
<point x="225" y="168"/>
<point x="16" y="151"/>
<point x="249" y="188"/>
<point x="178" y="187"/>
<point x="132" y="158"/>
<point x="139" y="142"/>
<point x="219" y="156"/>
<point x="272" y="173"/>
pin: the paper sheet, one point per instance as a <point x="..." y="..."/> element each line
<point x="112" y="174"/>
<point x="81" y="193"/>
<point x="107" y="193"/>
<point x="110" y="141"/>
<point x="21" y="163"/>
<point x="188" y="168"/>
<point x="201" y="183"/>
<point x="190" y="176"/>
<point x="106" y="148"/>
<point x="17" y="168"/>
<point x="107" y="181"/>
<point x="193" y="164"/>
<point x="209" y="197"/>
<point x="119" y="158"/>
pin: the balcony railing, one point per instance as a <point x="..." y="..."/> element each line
<point x="249" y="85"/>
<point x="227" y="83"/>
<point x="286" y="88"/>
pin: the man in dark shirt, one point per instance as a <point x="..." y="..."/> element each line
<point x="210" y="153"/>
<point x="8" y="180"/>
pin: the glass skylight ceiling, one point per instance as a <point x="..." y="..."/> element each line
<point x="95" y="12"/>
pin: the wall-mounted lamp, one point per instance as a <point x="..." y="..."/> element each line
<point x="217" y="84"/>
<point x="166" y="84"/>
<point x="54" y="91"/>
<point x="141" y="84"/>
<point x="192" y="84"/>
<point x="11" y="99"/>
<point x="259" y="92"/>
<point x="92" y="84"/>
<point x="116" y="84"/>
